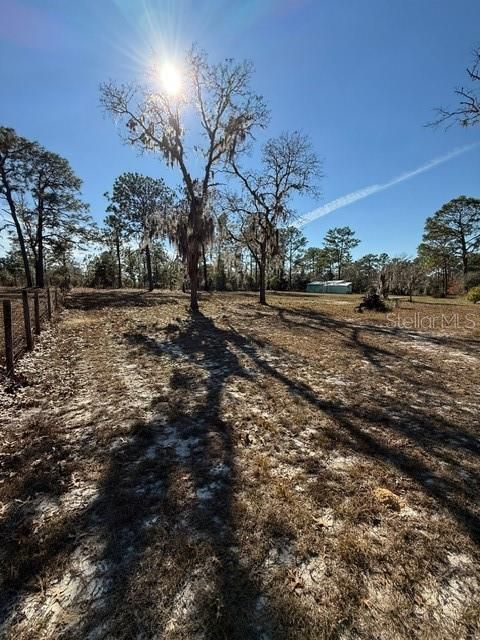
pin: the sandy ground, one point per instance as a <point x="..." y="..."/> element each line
<point x="294" y="471"/>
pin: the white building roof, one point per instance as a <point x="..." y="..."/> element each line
<point x="331" y="282"/>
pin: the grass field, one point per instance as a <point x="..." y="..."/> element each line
<point x="291" y="471"/>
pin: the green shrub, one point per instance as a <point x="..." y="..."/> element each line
<point x="474" y="294"/>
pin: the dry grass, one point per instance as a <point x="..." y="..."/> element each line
<point x="18" y="323"/>
<point x="290" y="471"/>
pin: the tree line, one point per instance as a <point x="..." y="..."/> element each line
<point x="136" y="253"/>
<point x="227" y="225"/>
<point x="43" y="211"/>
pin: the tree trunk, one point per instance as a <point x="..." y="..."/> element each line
<point x="465" y="270"/>
<point x="194" y="250"/>
<point x="119" y="261"/>
<point x="39" y="266"/>
<point x="148" y="260"/>
<point x="463" y="243"/>
<point x="205" y="272"/>
<point x="194" y="291"/>
<point x="39" y="271"/>
<point x="23" y="251"/>
<point x="262" y="267"/>
<point x="290" y="272"/>
<point x="18" y="228"/>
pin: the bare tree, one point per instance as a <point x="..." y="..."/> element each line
<point x="467" y="112"/>
<point x="414" y="275"/>
<point x="289" y="166"/>
<point x="226" y="111"/>
<point x="401" y="276"/>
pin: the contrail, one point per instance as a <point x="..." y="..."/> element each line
<point x="349" y="198"/>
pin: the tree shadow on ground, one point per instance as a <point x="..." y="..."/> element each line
<point x="163" y="526"/>
<point x="324" y="322"/>
<point x="359" y="339"/>
<point x="38" y="472"/>
<point x="230" y="608"/>
<point x="164" y="508"/>
<point x="118" y="298"/>
<point x="167" y="500"/>
<point x="367" y="429"/>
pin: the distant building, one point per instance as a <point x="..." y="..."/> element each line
<point x="330" y="286"/>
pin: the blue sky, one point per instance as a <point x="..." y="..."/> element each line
<point x="360" y="77"/>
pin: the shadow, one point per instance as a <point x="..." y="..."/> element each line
<point x="38" y="469"/>
<point x="321" y="321"/>
<point x="368" y="430"/>
<point x="166" y="504"/>
<point x="97" y="299"/>
<point x="359" y="339"/>
<point x="370" y="427"/>
<point x="167" y="499"/>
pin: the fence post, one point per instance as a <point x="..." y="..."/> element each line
<point x="26" y="319"/>
<point x="36" y="307"/>
<point x="49" y="304"/>
<point x="7" y="324"/>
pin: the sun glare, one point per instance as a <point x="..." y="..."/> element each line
<point x="171" y="79"/>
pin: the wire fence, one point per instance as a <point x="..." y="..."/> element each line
<point x="24" y="314"/>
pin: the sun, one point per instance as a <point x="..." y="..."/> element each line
<point x="171" y="78"/>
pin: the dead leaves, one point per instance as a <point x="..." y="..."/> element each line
<point x="388" y="499"/>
